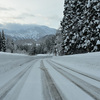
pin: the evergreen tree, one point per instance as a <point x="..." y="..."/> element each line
<point x="33" y="49"/>
<point x="0" y="42"/>
<point x="81" y="26"/>
<point x="12" y="46"/>
<point x="3" y="42"/>
<point x="66" y="26"/>
<point x="58" y="42"/>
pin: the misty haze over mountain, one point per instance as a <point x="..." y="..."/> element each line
<point x="26" y="31"/>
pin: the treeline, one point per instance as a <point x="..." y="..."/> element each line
<point x="2" y="42"/>
<point x="80" y="27"/>
<point x="8" y="45"/>
<point x="46" y="45"/>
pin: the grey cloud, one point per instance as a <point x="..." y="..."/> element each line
<point x="6" y="9"/>
<point x="54" y="17"/>
<point x="28" y="15"/>
<point x="18" y="17"/>
<point x="15" y="26"/>
<point x="22" y="16"/>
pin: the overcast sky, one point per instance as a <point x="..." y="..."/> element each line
<point x="42" y="12"/>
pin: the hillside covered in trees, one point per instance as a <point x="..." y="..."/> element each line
<point x="28" y="46"/>
<point x="2" y="42"/>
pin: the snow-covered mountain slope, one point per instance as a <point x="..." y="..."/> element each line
<point x="18" y="31"/>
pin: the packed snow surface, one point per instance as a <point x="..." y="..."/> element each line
<point x="48" y="77"/>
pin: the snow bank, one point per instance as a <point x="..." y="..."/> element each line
<point x="14" y="54"/>
<point x="44" y="54"/>
<point x="9" y="61"/>
<point x="88" y="63"/>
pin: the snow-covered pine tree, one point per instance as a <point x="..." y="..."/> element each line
<point x="71" y="25"/>
<point x="58" y="42"/>
<point x="81" y="26"/>
<point x="3" y="42"/>
<point x="33" y="49"/>
<point x="66" y="26"/>
<point x="12" y="46"/>
<point x="91" y="30"/>
<point x="0" y="42"/>
<point x="95" y="22"/>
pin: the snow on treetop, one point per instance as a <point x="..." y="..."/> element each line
<point x="98" y="42"/>
<point x="88" y="5"/>
<point x="98" y="26"/>
<point x="92" y="39"/>
<point x="72" y="41"/>
<point x="95" y="48"/>
<point x="94" y="0"/>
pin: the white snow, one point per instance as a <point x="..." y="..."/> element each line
<point x="67" y="89"/>
<point x="30" y="85"/>
<point x="32" y="88"/>
<point x="88" y="63"/>
<point x="44" y="54"/>
<point x="9" y="61"/>
<point x="88" y="5"/>
<point x="99" y="26"/>
<point x="98" y="42"/>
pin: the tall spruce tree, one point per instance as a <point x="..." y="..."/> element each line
<point x="3" y="42"/>
<point x="81" y="26"/>
<point x="12" y="46"/>
<point x="0" y="42"/>
<point x="66" y="24"/>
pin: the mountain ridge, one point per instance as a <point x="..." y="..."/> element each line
<point x="26" y="31"/>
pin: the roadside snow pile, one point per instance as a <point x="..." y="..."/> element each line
<point x="44" y="54"/>
<point x="9" y="61"/>
<point x="88" y="63"/>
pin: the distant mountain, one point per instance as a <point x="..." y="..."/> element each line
<point x="27" y="31"/>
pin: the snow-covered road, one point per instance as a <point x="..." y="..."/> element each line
<point x="44" y="78"/>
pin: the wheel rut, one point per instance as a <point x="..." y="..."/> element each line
<point x="50" y="90"/>
<point x="82" y="73"/>
<point x="91" y="90"/>
<point x="4" y="90"/>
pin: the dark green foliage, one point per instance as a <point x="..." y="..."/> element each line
<point x="33" y="49"/>
<point x="0" y="42"/>
<point x="3" y="42"/>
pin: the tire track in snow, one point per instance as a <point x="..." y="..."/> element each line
<point x="49" y="88"/>
<point x="91" y="90"/>
<point x="82" y="73"/>
<point x="26" y="62"/>
<point x="10" y="84"/>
